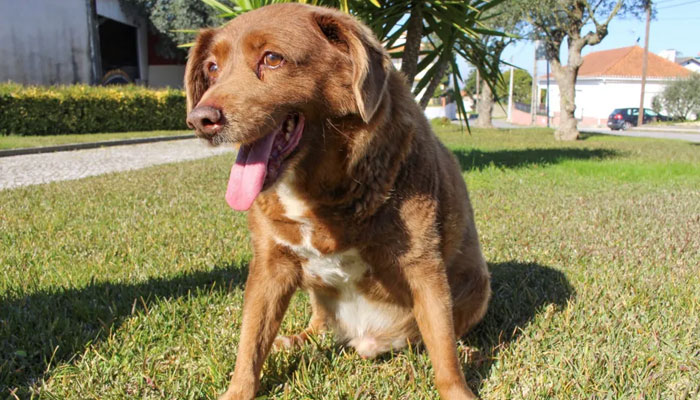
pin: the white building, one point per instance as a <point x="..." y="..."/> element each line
<point x="611" y="79"/>
<point x="691" y="63"/>
<point x="45" y="42"/>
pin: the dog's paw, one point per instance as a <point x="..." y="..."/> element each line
<point x="289" y="342"/>
<point x="456" y="392"/>
<point x="367" y="347"/>
<point x="236" y="395"/>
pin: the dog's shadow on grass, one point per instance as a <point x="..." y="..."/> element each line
<point x="46" y="328"/>
<point x="520" y="292"/>
<point x="475" y="159"/>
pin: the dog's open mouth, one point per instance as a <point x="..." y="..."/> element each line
<point x="260" y="163"/>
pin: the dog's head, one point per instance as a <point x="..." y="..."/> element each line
<point x="268" y="74"/>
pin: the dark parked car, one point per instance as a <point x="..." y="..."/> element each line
<point x="625" y="118"/>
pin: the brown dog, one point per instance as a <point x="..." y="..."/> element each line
<point x="351" y="195"/>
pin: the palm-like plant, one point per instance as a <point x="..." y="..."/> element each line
<point x="448" y="29"/>
<point x="434" y="34"/>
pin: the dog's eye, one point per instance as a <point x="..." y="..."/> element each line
<point x="273" y="60"/>
<point x="212" y="72"/>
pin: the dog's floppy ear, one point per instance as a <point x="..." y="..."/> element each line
<point x="196" y="82"/>
<point x="370" y="63"/>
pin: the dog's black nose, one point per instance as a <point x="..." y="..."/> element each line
<point x="206" y="121"/>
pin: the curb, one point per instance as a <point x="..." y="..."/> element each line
<point x="92" y="145"/>
<point x="673" y="130"/>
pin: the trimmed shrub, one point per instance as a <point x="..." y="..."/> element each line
<point x="55" y="110"/>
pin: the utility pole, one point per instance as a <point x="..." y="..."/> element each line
<point x="640" y="118"/>
<point x="510" y="93"/>
<point x="534" y="95"/>
<point x="547" y="92"/>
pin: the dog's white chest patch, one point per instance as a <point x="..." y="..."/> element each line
<point x="336" y="269"/>
<point x="358" y="320"/>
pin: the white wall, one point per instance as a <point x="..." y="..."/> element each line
<point x="44" y="41"/>
<point x="160" y="76"/>
<point x="597" y="97"/>
<point x="449" y="111"/>
<point x="434" y="112"/>
<point x="692" y="66"/>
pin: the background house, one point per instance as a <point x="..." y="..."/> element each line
<point x="46" y="42"/>
<point x="611" y="79"/>
<point x="691" y="63"/>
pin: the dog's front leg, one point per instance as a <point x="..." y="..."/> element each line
<point x="432" y="308"/>
<point x="272" y="281"/>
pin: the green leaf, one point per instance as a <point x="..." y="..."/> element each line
<point x="459" y="100"/>
<point x="218" y="6"/>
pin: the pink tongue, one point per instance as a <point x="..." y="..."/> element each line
<point x="248" y="173"/>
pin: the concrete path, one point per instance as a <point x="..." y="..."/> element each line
<point x="43" y="168"/>
<point x="655" y="134"/>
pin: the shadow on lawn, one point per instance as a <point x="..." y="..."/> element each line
<point x="520" y="292"/>
<point x="477" y="160"/>
<point x="585" y="135"/>
<point x="34" y="327"/>
<point x="46" y="328"/>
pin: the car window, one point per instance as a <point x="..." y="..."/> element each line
<point x="650" y="113"/>
<point x="618" y="111"/>
<point x="634" y="111"/>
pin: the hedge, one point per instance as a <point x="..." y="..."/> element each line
<point x="55" y="110"/>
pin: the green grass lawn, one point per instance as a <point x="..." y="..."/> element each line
<point x="130" y="285"/>
<point x="16" y="141"/>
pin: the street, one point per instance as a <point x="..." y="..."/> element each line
<point x="655" y="133"/>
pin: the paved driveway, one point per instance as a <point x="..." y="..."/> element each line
<point x="48" y="167"/>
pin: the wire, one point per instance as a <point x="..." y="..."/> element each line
<point x="679" y="4"/>
<point x="678" y="19"/>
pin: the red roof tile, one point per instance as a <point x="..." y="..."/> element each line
<point x="627" y="62"/>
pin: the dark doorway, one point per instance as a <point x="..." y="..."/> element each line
<point x="119" y="52"/>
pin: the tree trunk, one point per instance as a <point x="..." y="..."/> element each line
<point x="566" y="79"/>
<point x="411" y="50"/>
<point x="434" y="82"/>
<point x="485" y="106"/>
